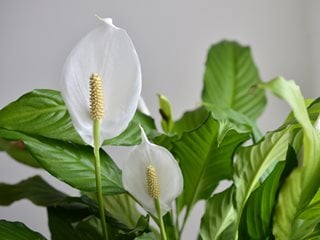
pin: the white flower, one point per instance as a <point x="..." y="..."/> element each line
<point x="108" y="52"/>
<point x="169" y="177"/>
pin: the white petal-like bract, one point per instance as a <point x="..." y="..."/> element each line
<point x="109" y="52"/>
<point x="167" y="169"/>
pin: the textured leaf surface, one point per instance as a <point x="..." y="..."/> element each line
<point x="256" y="217"/>
<point x="253" y="161"/>
<point x="301" y="186"/>
<point x="205" y="158"/>
<point x="190" y="120"/>
<point x="40" y="112"/>
<point x="219" y="215"/>
<point x="71" y="163"/>
<point x="230" y="73"/>
<point x="17" y="230"/>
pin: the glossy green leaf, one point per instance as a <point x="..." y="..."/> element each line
<point x="303" y="183"/>
<point x="253" y="161"/>
<point x="219" y="215"/>
<point x="237" y="120"/>
<point x="42" y="113"/>
<point x="17" y="151"/>
<point x="229" y="76"/>
<point x="256" y="217"/>
<point x="205" y="157"/>
<point x="71" y="163"/>
<point x="190" y="120"/>
<point x="17" y="230"/>
<point x="34" y="189"/>
<point x="132" y="135"/>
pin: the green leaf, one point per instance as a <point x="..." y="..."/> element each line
<point x="219" y="215"/>
<point x="132" y="135"/>
<point x="16" y="150"/>
<point x="237" y="120"/>
<point x="42" y="113"/>
<point x="146" y="236"/>
<point x="71" y="163"/>
<point x="90" y="229"/>
<point x="229" y="76"/>
<point x="72" y="218"/>
<point x="205" y="158"/>
<point x="256" y="217"/>
<point x="35" y="189"/>
<point x="61" y="221"/>
<point x="313" y="209"/>
<point x="190" y="120"/>
<point x="303" y="183"/>
<point x="253" y="162"/>
<point x="17" y="230"/>
<point x="122" y="207"/>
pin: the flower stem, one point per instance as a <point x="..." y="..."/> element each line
<point x="162" y="229"/>
<point x="96" y="137"/>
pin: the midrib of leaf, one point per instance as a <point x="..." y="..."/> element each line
<point x="197" y="190"/>
<point x="223" y="223"/>
<point x="232" y="95"/>
<point x="252" y="184"/>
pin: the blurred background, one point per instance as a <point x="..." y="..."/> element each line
<point x="172" y="39"/>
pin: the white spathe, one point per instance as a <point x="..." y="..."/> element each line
<point x="167" y="169"/>
<point x="109" y="52"/>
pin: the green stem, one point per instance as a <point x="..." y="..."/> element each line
<point x="96" y="139"/>
<point x="162" y="229"/>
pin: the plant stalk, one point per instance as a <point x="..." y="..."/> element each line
<point x="96" y="139"/>
<point x="162" y="228"/>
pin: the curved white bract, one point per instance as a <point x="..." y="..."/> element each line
<point x="167" y="170"/>
<point x="109" y="52"/>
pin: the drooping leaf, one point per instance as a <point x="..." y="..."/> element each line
<point x="34" y="189"/>
<point x="205" y="157"/>
<point x="71" y="163"/>
<point x="253" y="161"/>
<point x="219" y="215"/>
<point x="303" y="183"/>
<point x="17" y="151"/>
<point x="229" y="76"/>
<point x="42" y="113"/>
<point x="17" y="230"/>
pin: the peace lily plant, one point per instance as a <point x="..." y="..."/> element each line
<point x="274" y="191"/>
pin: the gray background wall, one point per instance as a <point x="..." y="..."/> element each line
<point x="171" y="38"/>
